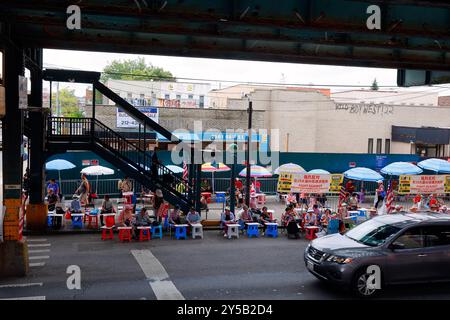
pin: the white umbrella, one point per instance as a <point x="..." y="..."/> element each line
<point x="97" y="171"/>
<point x="289" y="168"/>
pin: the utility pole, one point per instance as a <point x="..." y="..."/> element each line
<point x="247" y="155"/>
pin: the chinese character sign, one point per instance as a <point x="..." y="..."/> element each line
<point x="424" y="184"/>
<point x="284" y="183"/>
<point x="316" y="183"/>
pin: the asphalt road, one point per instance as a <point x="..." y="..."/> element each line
<point x="212" y="268"/>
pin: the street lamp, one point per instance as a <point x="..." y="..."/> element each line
<point x="233" y="148"/>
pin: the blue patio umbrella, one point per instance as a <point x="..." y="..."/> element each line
<point x="399" y="168"/>
<point x="59" y="164"/>
<point x="318" y="171"/>
<point x="436" y="165"/>
<point x="363" y="174"/>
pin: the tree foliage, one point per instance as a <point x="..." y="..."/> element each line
<point x="374" y="85"/>
<point x="136" y="69"/>
<point x="68" y="102"/>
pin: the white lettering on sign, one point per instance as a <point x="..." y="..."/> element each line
<point x="73" y="22"/>
<point x="374" y="21"/>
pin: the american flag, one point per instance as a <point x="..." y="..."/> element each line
<point x="185" y="171"/>
<point x="390" y="198"/>
<point x="342" y="196"/>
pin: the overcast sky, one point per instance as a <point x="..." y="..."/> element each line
<point x="234" y="70"/>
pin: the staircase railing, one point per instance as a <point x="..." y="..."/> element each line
<point x="130" y="153"/>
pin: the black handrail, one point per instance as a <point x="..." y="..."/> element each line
<point x="113" y="141"/>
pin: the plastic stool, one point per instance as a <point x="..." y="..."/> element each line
<point x="106" y="234"/>
<point x="77" y="221"/>
<point x="311" y="233"/>
<point x="272" y="230"/>
<point x="233" y="230"/>
<point x="92" y="217"/>
<point x="180" y="231"/>
<point x="197" y="230"/>
<point x="157" y="231"/>
<point x="220" y="197"/>
<point x="252" y="230"/>
<point x="124" y="233"/>
<point x="144" y="233"/>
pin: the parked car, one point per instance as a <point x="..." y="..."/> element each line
<point x="404" y="247"/>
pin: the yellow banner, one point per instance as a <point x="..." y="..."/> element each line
<point x="284" y="183"/>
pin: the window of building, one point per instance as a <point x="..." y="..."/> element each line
<point x="370" y="146"/>
<point x="178" y="97"/>
<point x="387" y="146"/>
<point x="190" y="96"/>
<point x="379" y="145"/>
<point x="201" y="102"/>
<point x="167" y="96"/>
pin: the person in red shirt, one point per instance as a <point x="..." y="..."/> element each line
<point x="238" y="184"/>
<point x="349" y="187"/>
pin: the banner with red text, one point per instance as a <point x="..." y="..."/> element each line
<point x="316" y="183"/>
<point x="424" y="184"/>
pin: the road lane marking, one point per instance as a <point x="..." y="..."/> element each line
<point x="27" y="298"/>
<point x="39" y="245"/>
<point x="39" y="251"/>
<point x="36" y="240"/>
<point x="38" y="257"/>
<point x="160" y="283"/>
<point x="21" y="285"/>
<point x="36" y="264"/>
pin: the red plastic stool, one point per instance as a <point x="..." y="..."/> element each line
<point x="124" y="233"/>
<point x="106" y="234"/>
<point x="91" y="218"/>
<point x="311" y="232"/>
<point x="144" y="233"/>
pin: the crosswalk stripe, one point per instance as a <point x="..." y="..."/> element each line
<point x="26" y="298"/>
<point x="38" y="257"/>
<point x="39" y="245"/>
<point x="21" y="285"/>
<point x="160" y="283"/>
<point x="36" y="240"/>
<point x="36" y="264"/>
<point x="39" y="251"/>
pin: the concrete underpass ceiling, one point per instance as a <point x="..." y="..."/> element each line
<point x="413" y="35"/>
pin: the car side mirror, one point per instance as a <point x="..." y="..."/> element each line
<point x="397" y="246"/>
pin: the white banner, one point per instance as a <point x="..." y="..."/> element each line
<point x="424" y="184"/>
<point x="125" y="121"/>
<point x="311" y="183"/>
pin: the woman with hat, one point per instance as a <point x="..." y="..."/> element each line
<point x="310" y="218"/>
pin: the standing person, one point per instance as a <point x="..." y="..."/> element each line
<point x="83" y="190"/>
<point x="155" y="163"/>
<point x="350" y="187"/>
<point x="158" y="201"/>
<point x="238" y="184"/>
<point x="380" y="193"/>
<point x="26" y="183"/>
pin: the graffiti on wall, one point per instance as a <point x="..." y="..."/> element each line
<point x="363" y="109"/>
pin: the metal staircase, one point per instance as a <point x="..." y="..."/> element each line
<point x="90" y="134"/>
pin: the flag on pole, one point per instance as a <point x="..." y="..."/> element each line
<point x="185" y="171"/>
<point x="390" y="198"/>
<point x="342" y="196"/>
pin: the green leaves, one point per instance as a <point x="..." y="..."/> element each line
<point x="136" y="69"/>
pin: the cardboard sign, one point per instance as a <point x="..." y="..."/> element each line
<point x="284" y="183"/>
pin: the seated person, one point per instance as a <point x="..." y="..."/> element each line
<point x="325" y="218"/>
<point x="322" y="199"/>
<point x="293" y="230"/>
<point x="193" y="216"/>
<point x="204" y="204"/>
<point x="175" y="215"/>
<point x="398" y="208"/>
<point x="245" y="216"/>
<point x="106" y="207"/>
<point x="310" y="218"/>
<point x="142" y="219"/>
<point x="126" y="217"/>
<point x="52" y="199"/>
<point x="75" y="204"/>
<point x="353" y="202"/>
<point x="291" y="199"/>
<point x="226" y="218"/>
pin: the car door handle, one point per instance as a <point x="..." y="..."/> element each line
<point x="422" y="255"/>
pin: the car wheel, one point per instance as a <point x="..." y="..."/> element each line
<point x="359" y="285"/>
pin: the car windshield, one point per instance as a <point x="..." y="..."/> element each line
<point x="372" y="233"/>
